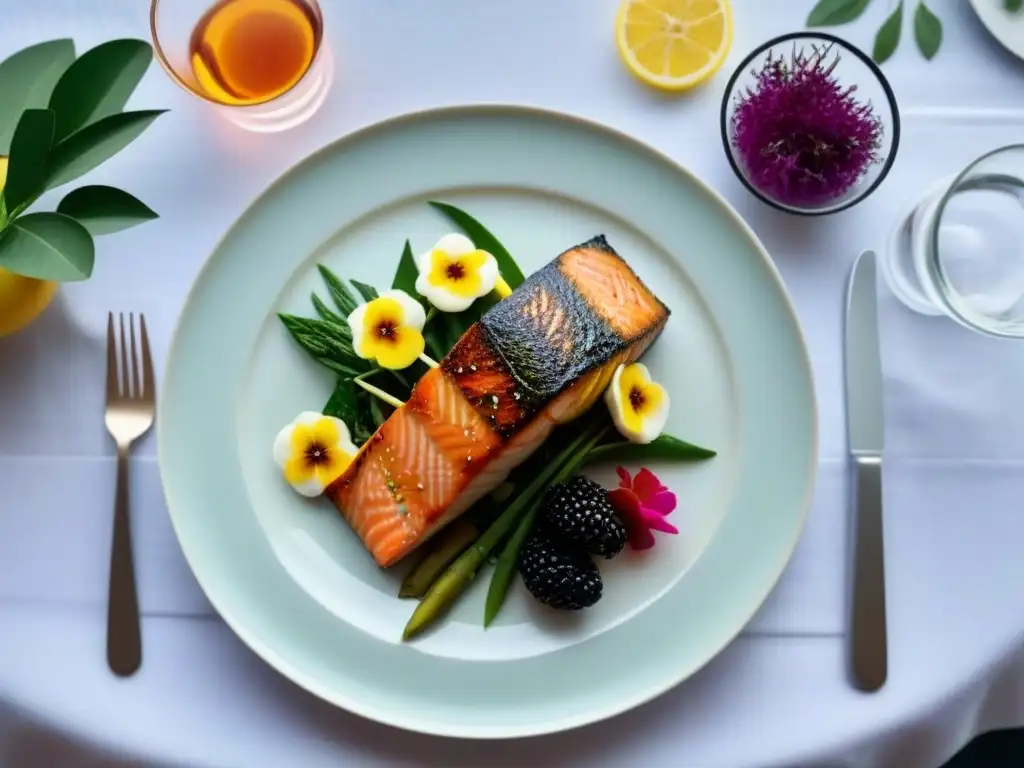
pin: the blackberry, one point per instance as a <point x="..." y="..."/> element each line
<point x="580" y="511"/>
<point x="559" y="575"/>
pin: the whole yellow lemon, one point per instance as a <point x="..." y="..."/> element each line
<point x="22" y="299"/>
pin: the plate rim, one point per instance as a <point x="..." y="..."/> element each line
<point x="353" y="706"/>
<point x="986" y="15"/>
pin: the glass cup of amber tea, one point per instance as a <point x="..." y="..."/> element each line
<point x="263" y="62"/>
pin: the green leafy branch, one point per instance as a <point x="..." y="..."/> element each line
<point x="61" y="117"/>
<point x="927" y="26"/>
<point x="328" y="338"/>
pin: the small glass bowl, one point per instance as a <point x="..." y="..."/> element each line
<point x="854" y="68"/>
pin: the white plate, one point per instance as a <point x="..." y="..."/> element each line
<point x="295" y="583"/>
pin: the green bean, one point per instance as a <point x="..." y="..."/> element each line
<point x="448" y="545"/>
<point x="453" y="582"/>
<point x="505" y="570"/>
<point x="664" y="447"/>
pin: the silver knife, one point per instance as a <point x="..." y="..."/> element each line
<point x="864" y="419"/>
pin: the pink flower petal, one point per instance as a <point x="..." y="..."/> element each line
<point x="663" y="503"/>
<point x="646" y="484"/>
<point x="639" y="537"/>
<point x="626" y="482"/>
<point x="625" y="502"/>
<point x="658" y="523"/>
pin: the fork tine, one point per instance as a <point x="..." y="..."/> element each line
<point x="126" y="389"/>
<point x="136" y="387"/>
<point x="113" y="390"/>
<point x="148" y="379"/>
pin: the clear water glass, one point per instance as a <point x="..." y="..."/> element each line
<point x="960" y="251"/>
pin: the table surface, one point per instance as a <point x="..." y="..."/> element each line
<point x="779" y="694"/>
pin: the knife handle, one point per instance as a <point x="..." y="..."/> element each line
<point x="869" y="655"/>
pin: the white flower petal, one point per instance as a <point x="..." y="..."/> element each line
<point x="488" y="275"/>
<point x="283" y="445"/>
<point x="424" y="263"/>
<point x="654" y="422"/>
<point x="455" y="244"/>
<point x="355" y="323"/>
<point x="412" y="311"/>
<point x="308" y="418"/>
<point x="441" y="297"/>
<point x="312" y="487"/>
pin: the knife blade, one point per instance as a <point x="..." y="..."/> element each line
<point x="865" y="429"/>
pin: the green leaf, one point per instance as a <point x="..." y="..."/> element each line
<point x="405" y="277"/>
<point x="99" y="83"/>
<point x="485" y="241"/>
<point x="368" y="292"/>
<point x="1013" y="6"/>
<point x="340" y="294"/>
<point x="103" y="210"/>
<point x="30" y="149"/>
<point x="48" y="246"/>
<point x="831" y="13"/>
<point x="328" y="343"/>
<point x="927" y="31"/>
<point x="663" y="447"/>
<point x="377" y="411"/>
<point x="26" y="81"/>
<point x="326" y="312"/>
<point x="85" y="149"/>
<point x="888" y="37"/>
<point x="352" y="404"/>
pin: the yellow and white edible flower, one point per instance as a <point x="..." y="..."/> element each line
<point x="313" y="451"/>
<point x="389" y="329"/>
<point x="455" y="273"/>
<point x="639" y="406"/>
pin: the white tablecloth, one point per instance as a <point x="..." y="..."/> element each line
<point x="778" y="695"/>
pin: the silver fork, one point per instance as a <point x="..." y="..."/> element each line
<point x="131" y="406"/>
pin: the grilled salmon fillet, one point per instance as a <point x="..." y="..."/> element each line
<point x="539" y="358"/>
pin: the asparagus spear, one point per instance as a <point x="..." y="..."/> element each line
<point x="453" y="582"/>
<point x="505" y="570"/>
<point x="448" y="545"/>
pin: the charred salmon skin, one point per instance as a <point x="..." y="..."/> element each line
<point x="539" y="358"/>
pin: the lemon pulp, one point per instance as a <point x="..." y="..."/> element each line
<point x="674" y="45"/>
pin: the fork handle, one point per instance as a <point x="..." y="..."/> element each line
<point x="124" y="638"/>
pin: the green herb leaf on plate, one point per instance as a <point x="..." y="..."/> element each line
<point x="85" y="149"/>
<point x="485" y="241"/>
<point x="99" y="83"/>
<point x="368" y="292"/>
<point x="351" y="404"/>
<point x="30" y="149"/>
<point x="662" y="447"/>
<point x="888" y="37"/>
<point x="405" y="277"/>
<point x="831" y="13"/>
<point x="26" y="80"/>
<point x="326" y="312"/>
<point x="927" y="31"/>
<point x="340" y="294"/>
<point x="103" y="210"/>
<point x="326" y="342"/>
<point x="1013" y="6"/>
<point x="377" y="411"/>
<point x="47" y="246"/>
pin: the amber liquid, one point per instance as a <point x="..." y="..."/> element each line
<point x="251" y="51"/>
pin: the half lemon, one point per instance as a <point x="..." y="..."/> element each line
<point x="674" y="45"/>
